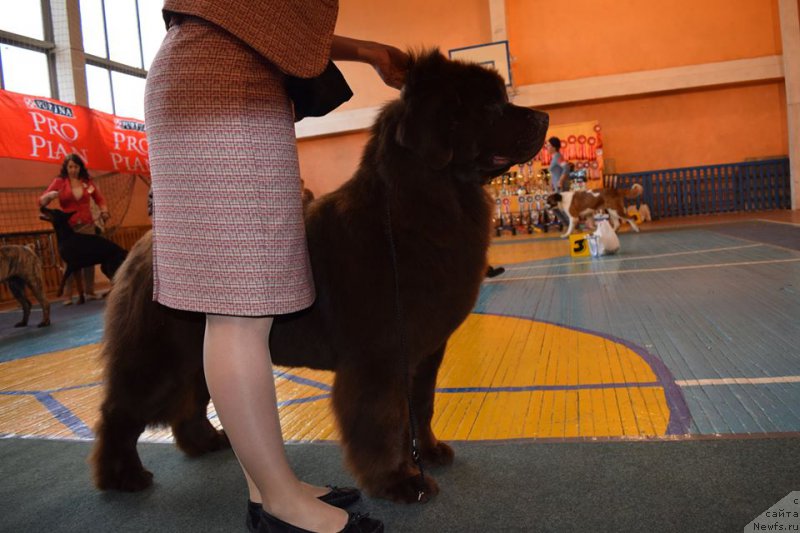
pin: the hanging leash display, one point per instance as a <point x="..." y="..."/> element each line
<point x="412" y="418"/>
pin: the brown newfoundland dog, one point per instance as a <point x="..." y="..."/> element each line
<point x="422" y="175"/>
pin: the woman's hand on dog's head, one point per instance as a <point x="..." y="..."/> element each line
<point x="391" y="63"/>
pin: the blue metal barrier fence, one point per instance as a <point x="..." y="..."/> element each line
<point x="748" y="186"/>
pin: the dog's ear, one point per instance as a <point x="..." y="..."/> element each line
<point x="425" y="128"/>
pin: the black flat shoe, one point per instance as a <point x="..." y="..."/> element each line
<point x="341" y="497"/>
<point x="356" y="523"/>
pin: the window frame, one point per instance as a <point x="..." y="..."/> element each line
<point x="114" y="66"/>
<point x="46" y="46"/>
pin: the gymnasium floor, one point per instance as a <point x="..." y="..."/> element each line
<point x="692" y="330"/>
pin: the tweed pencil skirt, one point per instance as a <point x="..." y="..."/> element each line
<point x="228" y="231"/>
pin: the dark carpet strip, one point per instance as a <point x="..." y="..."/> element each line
<point x="694" y="485"/>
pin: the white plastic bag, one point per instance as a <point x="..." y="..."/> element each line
<point x="604" y="240"/>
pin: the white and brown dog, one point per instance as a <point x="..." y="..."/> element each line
<point x="577" y="204"/>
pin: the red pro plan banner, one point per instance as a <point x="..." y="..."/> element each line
<point x="43" y="129"/>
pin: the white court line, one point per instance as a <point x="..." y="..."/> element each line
<point x="643" y="270"/>
<point x="638" y="257"/>
<point x="778" y="222"/>
<point x="736" y="381"/>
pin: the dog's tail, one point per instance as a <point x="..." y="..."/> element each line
<point x="634" y="192"/>
<point x="130" y="310"/>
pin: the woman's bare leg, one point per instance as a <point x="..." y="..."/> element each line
<point x="238" y="370"/>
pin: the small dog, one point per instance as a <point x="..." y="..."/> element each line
<point x="20" y="266"/>
<point x="80" y="251"/>
<point x="577" y="204"/>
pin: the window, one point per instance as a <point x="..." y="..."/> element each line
<point x="128" y="95"/>
<point x="26" y="64"/>
<point x="120" y="38"/>
<point x="25" y="71"/>
<point x="22" y="18"/>
<point x="99" y="84"/>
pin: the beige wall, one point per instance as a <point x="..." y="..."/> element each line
<point x="557" y="41"/>
<point x="327" y="162"/>
<point x="582" y="38"/>
<point x="552" y="41"/>
<point x="688" y="128"/>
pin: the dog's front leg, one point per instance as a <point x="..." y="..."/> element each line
<point x="570" y="227"/>
<point x="370" y="403"/>
<point x="431" y="450"/>
<point x="69" y="271"/>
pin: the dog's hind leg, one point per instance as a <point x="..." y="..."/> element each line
<point x="431" y="450"/>
<point x="370" y="403"/>
<point x="17" y="286"/>
<point x="114" y="459"/>
<point x="78" y="277"/>
<point x="37" y="289"/>
<point x="630" y="221"/>
<point x="194" y="434"/>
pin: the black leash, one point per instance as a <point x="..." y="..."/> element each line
<point x="412" y="418"/>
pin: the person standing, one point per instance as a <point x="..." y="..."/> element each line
<point x="228" y="232"/>
<point x="559" y="174"/>
<point x="559" y="167"/>
<point x="74" y="188"/>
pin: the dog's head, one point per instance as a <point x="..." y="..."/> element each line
<point x="457" y="116"/>
<point x="55" y="216"/>
<point x="554" y="199"/>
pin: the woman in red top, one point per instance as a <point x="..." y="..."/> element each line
<point x="73" y="187"/>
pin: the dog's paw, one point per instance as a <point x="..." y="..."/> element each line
<point x="439" y="455"/>
<point x="195" y="444"/>
<point x="131" y="479"/>
<point x="409" y="490"/>
<point x="43" y="324"/>
<point x="20" y="324"/>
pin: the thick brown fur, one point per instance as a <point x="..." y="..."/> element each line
<point x="424" y="167"/>
<point x="21" y="267"/>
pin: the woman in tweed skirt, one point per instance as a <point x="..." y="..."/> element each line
<point x="228" y="234"/>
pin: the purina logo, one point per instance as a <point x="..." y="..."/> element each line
<point x="783" y="516"/>
<point x="56" y="109"/>
<point x="129" y="125"/>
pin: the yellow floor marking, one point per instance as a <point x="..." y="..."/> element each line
<point x="65" y="368"/>
<point x="612" y="416"/>
<point x="587" y="407"/>
<point x="25" y="416"/>
<point x="486" y="356"/>
<point x="532" y="421"/>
